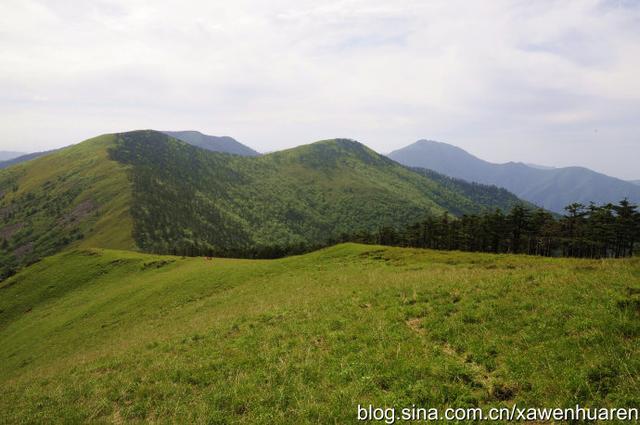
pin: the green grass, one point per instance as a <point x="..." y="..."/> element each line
<point x="111" y="336"/>
<point x="107" y="335"/>
<point x="74" y="197"/>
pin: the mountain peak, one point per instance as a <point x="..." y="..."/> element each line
<point x="432" y="155"/>
<point x="432" y="148"/>
<point x="551" y="188"/>
<point x="330" y="152"/>
<point x="427" y="142"/>
<point x="340" y="142"/>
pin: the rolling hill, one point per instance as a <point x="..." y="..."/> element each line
<point x="550" y="188"/>
<point x="145" y="190"/>
<point x="102" y="336"/>
<point x="212" y="143"/>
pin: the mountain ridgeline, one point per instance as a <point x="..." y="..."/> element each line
<point x="212" y="143"/>
<point x="23" y="158"/>
<point x="223" y="204"/>
<point x="550" y="188"/>
<point x="146" y="190"/>
<point x="479" y="193"/>
<point x="195" y="138"/>
<point x="7" y="155"/>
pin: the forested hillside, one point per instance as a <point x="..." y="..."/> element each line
<point x="190" y="201"/>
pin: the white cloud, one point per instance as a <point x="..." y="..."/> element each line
<point x="507" y="80"/>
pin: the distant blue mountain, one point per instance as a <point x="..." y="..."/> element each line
<point x="550" y="188"/>
<point x="212" y="143"/>
<point x="7" y="155"/>
<point x="24" y="158"/>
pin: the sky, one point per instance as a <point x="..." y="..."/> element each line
<point x="548" y="82"/>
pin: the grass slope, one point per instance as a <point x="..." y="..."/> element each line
<point x="73" y="197"/>
<point x="189" y="199"/>
<point x="106" y="336"/>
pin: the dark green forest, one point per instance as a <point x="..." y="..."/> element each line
<point x="584" y="231"/>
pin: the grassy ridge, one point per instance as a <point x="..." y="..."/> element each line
<point x="73" y="197"/>
<point x="109" y="335"/>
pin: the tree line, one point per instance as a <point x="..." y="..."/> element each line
<point x="604" y="231"/>
<point x="593" y="231"/>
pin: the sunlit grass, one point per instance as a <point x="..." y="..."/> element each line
<point x="100" y="335"/>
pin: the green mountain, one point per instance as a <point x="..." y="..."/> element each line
<point x="550" y="188"/>
<point x="298" y="196"/>
<point x="212" y="143"/>
<point x="102" y="336"/>
<point x="145" y="190"/>
<point x="75" y="196"/>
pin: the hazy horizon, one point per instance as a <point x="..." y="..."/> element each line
<point x="549" y="83"/>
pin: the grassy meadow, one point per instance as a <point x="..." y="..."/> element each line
<point x="108" y="336"/>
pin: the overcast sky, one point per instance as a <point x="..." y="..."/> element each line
<point x="555" y="83"/>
